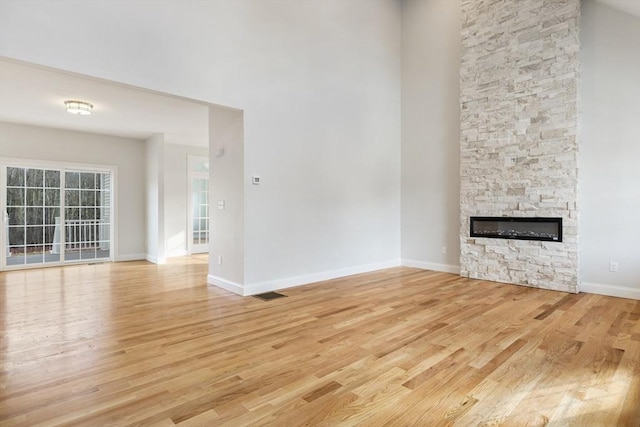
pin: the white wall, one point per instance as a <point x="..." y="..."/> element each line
<point x="323" y="132"/>
<point x="610" y="151"/>
<point x="430" y="134"/>
<point x="227" y="186"/>
<point x="319" y="84"/>
<point x="38" y="143"/>
<point x="176" y="196"/>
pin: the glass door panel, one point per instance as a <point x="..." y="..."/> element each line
<point x="32" y="206"/>
<point x="199" y="214"/>
<point x="87" y="215"/>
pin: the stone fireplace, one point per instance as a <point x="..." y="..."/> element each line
<point x="518" y="139"/>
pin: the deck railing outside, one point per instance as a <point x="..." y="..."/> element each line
<point x="81" y="234"/>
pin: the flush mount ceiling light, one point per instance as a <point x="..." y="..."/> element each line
<point x="78" y="107"/>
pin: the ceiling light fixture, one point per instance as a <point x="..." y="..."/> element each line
<point x="78" y="107"/>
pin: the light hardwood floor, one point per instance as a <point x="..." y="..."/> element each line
<point x="139" y="344"/>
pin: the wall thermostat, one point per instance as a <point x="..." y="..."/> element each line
<point x="255" y="180"/>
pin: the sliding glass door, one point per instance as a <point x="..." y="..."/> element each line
<point x="55" y="215"/>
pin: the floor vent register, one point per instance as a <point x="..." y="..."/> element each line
<point x="268" y="296"/>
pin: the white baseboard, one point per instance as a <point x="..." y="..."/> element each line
<point x="445" y="268"/>
<point x="289" y="282"/>
<point x="610" y="290"/>
<point x="131" y="257"/>
<point x="225" y="284"/>
<point x="155" y="260"/>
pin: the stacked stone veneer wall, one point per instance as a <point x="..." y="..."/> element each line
<point x="518" y="145"/>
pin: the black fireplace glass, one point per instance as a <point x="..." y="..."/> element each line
<point x="535" y="228"/>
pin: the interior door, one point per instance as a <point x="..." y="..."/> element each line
<point x="199" y="224"/>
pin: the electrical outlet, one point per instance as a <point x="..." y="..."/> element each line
<point x="613" y="266"/>
<point x="444" y="250"/>
<point x="220" y="260"/>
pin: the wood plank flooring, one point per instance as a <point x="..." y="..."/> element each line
<point x="139" y="344"/>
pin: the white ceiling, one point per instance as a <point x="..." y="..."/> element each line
<point x="34" y="95"/>
<point x="628" y="6"/>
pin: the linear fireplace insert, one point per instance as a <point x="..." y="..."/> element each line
<point x="536" y="228"/>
